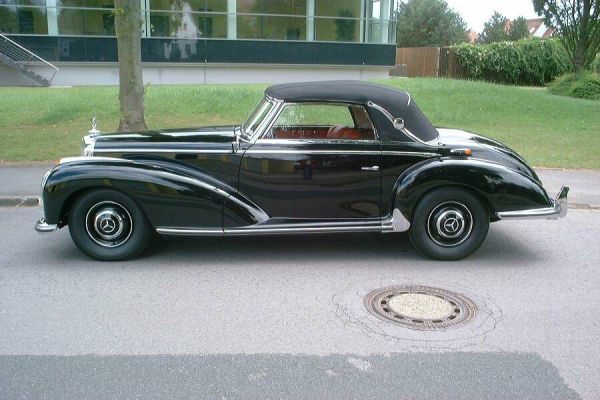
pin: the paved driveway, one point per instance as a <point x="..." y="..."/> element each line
<point x="283" y="317"/>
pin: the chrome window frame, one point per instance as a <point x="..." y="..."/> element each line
<point x="282" y="104"/>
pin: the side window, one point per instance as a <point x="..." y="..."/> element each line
<point x="322" y="121"/>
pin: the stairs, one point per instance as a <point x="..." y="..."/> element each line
<point x="19" y="58"/>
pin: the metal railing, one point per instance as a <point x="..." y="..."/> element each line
<point x="30" y="64"/>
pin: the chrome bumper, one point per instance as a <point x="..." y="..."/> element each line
<point x="558" y="210"/>
<point x="42" y="226"/>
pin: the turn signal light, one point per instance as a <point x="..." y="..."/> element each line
<point x="461" y="152"/>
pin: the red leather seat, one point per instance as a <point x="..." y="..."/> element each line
<point x="344" y="132"/>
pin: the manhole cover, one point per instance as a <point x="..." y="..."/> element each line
<point x="420" y="307"/>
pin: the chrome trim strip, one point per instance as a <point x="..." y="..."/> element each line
<point x="274" y="229"/>
<point x="316" y="141"/>
<point x="190" y="231"/>
<point x="408" y="153"/>
<point x="43" y="227"/>
<point x="309" y="151"/>
<point x="558" y="210"/>
<point x="66" y="160"/>
<point x="269" y="230"/>
<point x="154" y="150"/>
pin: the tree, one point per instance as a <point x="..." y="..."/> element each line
<point x="128" y="25"/>
<point x="577" y="23"/>
<point x="495" y="29"/>
<point x="429" y="23"/>
<point x="518" y="29"/>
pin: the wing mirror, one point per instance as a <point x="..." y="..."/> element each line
<point x="398" y="123"/>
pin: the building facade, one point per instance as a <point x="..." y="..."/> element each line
<point x="209" y="41"/>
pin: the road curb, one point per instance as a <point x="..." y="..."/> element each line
<point x="19" y="201"/>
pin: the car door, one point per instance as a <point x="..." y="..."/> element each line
<point x="317" y="161"/>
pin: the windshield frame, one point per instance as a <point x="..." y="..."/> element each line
<point x="256" y="120"/>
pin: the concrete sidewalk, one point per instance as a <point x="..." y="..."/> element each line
<point x="20" y="184"/>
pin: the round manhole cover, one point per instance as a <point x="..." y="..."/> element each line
<point x="420" y="307"/>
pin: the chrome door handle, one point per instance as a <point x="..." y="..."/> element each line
<point x="373" y="168"/>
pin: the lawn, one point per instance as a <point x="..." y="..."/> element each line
<point x="548" y="130"/>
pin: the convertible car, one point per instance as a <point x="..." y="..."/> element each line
<point x="320" y="157"/>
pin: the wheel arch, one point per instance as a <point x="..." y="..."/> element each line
<point x="499" y="188"/>
<point x="167" y="195"/>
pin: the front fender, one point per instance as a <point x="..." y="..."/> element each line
<point x="501" y="188"/>
<point x="169" y="194"/>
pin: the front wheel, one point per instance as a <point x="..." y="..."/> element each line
<point x="108" y="225"/>
<point x="449" y="224"/>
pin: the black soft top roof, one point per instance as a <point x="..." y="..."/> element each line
<point x="397" y="102"/>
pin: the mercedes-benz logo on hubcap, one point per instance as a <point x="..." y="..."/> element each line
<point x="107" y="225"/>
<point x="451" y="225"/>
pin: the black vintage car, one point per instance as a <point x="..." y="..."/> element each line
<point x="320" y="157"/>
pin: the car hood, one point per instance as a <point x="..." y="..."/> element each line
<point x="485" y="149"/>
<point x="210" y="134"/>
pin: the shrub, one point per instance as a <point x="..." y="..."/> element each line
<point x="596" y="64"/>
<point x="585" y="85"/>
<point x="525" y="62"/>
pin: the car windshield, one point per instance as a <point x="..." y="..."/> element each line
<point x="253" y="122"/>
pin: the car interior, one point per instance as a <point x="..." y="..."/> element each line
<point x="356" y="125"/>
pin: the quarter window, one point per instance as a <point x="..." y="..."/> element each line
<point x="322" y="121"/>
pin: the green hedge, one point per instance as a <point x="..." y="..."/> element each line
<point x="525" y="62"/>
<point x="585" y="85"/>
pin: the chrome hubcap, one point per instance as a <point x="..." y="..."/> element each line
<point x="449" y="224"/>
<point x="108" y="224"/>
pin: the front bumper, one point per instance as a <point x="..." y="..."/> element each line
<point x="558" y="209"/>
<point x="42" y="226"/>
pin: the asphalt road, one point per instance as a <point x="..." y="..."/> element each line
<point x="283" y="317"/>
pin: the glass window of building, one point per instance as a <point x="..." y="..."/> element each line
<point x="188" y="19"/>
<point x="93" y="17"/>
<point x="337" y="21"/>
<point x="24" y="18"/>
<point x="271" y="19"/>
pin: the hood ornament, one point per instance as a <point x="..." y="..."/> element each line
<point x="94" y="132"/>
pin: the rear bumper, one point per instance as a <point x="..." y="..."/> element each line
<point x="558" y="209"/>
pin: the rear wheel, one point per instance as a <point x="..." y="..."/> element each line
<point x="108" y="225"/>
<point x="449" y="224"/>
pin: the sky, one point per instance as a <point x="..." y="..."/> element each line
<point x="476" y="12"/>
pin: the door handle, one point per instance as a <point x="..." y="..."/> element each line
<point x="373" y="168"/>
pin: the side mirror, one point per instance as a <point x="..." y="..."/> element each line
<point x="398" y="123"/>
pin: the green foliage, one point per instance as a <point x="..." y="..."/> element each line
<point x="494" y="30"/>
<point x="596" y="64"/>
<point x="518" y="29"/>
<point x="583" y="85"/>
<point x="429" y="23"/>
<point x="525" y="62"/>
<point x="577" y="24"/>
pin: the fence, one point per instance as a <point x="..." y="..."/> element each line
<point x="426" y="62"/>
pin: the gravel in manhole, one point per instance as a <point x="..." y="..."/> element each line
<point x="420" y="307"/>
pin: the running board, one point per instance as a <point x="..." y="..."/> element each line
<point x="395" y="223"/>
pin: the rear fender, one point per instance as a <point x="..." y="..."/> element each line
<point x="499" y="187"/>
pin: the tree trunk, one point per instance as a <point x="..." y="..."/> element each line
<point x="128" y="25"/>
